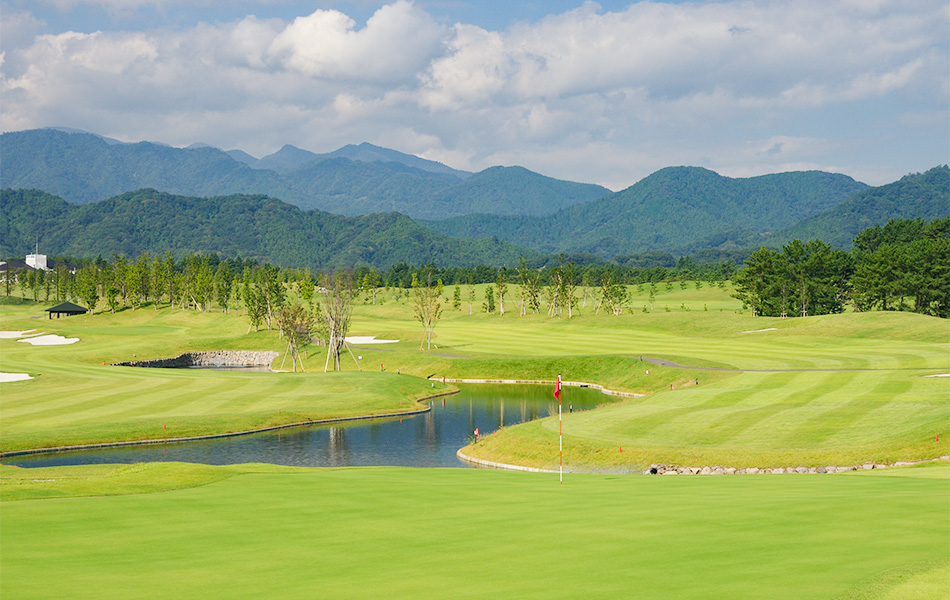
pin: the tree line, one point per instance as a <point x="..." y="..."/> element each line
<point x="903" y="265"/>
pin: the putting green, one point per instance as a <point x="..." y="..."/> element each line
<point x="259" y="530"/>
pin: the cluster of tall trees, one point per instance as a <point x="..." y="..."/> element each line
<point x="904" y="265"/>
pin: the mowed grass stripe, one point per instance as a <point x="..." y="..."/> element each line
<point x="783" y="408"/>
<point x="360" y="532"/>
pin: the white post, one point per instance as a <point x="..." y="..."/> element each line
<point x="560" y="438"/>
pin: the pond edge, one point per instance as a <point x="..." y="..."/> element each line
<point x="215" y="436"/>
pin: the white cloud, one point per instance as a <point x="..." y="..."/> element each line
<point x="587" y="95"/>
<point x="397" y="41"/>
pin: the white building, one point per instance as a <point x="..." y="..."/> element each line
<point x="37" y="262"/>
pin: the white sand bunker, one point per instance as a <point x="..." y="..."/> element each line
<point x="49" y="340"/>
<point x="367" y="339"/>
<point x="5" y="377"/>
<point x="9" y="335"/>
<point x="939" y="375"/>
<point x="761" y="330"/>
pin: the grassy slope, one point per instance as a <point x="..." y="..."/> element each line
<point x="76" y="399"/>
<point x="260" y="530"/>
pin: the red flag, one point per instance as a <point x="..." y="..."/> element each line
<point x="557" y="389"/>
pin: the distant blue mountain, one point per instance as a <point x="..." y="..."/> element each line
<point x="81" y="167"/>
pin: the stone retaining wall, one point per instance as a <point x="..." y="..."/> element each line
<point x="209" y="358"/>
<point x="661" y="469"/>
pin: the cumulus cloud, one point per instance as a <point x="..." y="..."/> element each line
<point x="587" y="94"/>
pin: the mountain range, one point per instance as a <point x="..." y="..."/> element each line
<point x="675" y="211"/>
<point x="354" y="180"/>
<point x="251" y="226"/>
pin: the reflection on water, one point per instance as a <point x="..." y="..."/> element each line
<point x="427" y="440"/>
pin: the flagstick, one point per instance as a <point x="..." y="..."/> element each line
<point x="560" y="439"/>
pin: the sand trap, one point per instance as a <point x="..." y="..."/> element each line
<point x="939" y="375"/>
<point x="5" y="377"/>
<point x="761" y="330"/>
<point x="367" y="339"/>
<point x="49" y="340"/>
<point x="9" y="335"/>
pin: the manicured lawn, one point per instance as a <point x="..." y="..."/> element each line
<point x="265" y="531"/>
<point x="881" y="408"/>
<point x="75" y="399"/>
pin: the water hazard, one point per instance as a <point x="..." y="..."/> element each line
<point x="427" y="440"/>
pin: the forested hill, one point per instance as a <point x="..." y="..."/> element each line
<point x="677" y="209"/>
<point x="82" y="167"/>
<point x="916" y="196"/>
<point x="251" y="226"/>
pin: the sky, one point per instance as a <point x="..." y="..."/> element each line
<point x="602" y="93"/>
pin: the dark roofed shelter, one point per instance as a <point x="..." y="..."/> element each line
<point x="66" y="308"/>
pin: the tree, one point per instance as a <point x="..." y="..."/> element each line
<point x="489" y="304"/>
<point x="86" y="286"/>
<point x="427" y="303"/>
<point x="223" y="285"/>
<point x="335" y="315"/>
<point x="568" y="277"/>
<point x="255" y="304"/>
<point x="471" y="292"/>
<point x="457" y="297"/>
<point x="295" y="323"/>
<point x="371" y="281"/>
<point x="502" y="281"/>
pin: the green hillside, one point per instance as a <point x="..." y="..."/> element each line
<point x="677" y="209"/>
<point x="355" y="180"/>
<point x="252" y="226"/>
<point x="918" y="195"/>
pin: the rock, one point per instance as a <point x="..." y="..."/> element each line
<point x="778" y="471"/>
<point x="813" y="470"/>
<point x="752" y="470"/>
<point x="730" y="470"/>
<point x="867" y="466"/>
<point x="211" y="358"/>
<point x="670" y="472"/>
<point x="706" y="471"/>
<point x="694" y="470"/>
<point x="801" y="470"/>
<point x="822" y="469"/>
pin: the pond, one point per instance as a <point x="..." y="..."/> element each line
<point x="427" y="440"/>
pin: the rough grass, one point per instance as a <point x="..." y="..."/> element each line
<point x="265" y="531"/>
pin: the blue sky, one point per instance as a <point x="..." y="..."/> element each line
<point x="604" y="93"/>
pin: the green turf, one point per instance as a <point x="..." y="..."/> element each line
<point x="881" y="409"/>
<point x="264" y="531"/>
<point x="76" y="399"/>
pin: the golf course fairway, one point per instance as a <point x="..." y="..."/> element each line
<point x="255" y="531"/>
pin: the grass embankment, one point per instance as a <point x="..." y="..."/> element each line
<point x="268" y="531"/>
<point x="76" y="399"/>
